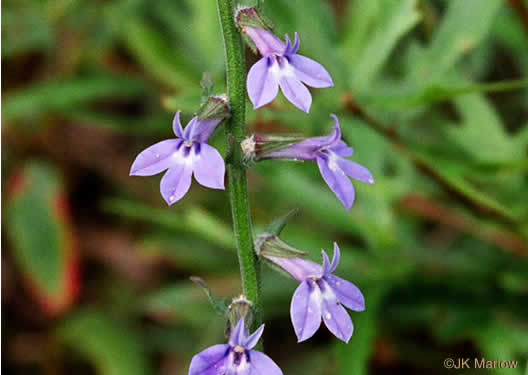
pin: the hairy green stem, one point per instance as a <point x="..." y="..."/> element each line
<point x="236" y="91"/>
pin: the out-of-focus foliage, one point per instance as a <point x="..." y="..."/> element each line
<point x="432" y="95"/>
<point x="40" y="231"/>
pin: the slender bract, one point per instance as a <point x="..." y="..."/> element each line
<point x="236" y="80"/>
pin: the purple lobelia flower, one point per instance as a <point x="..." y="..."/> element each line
<point x="183" y="156"/>
<point x="280" y="66"/>
<point x="237" y="357"/>
<point x="320" y="296"/>
<point x="329" y="153"/>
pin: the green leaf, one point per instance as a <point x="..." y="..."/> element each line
<point x="397" y="18"/>
<point x="505" y="341"/>
<point x="25" y="29"/>
<point x="195" y="220"/>
<point x="151" y="124"/>
<point x="183" y="301"/>
<point x="439" y="93"/>
<point x="174" y="248"/>
<point x="158" y="55"/>
<point x="450" y="174"/>
<point x="205" y="35"/>
<point x="482" y="126"/>
<point x="113" y="347"/>
<point x="41" y="235"/>
<point x="63" y="97"/>
<point x="465" y="25"/>
<point x="360" y="18"/>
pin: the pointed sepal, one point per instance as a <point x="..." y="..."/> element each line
<point x="207" y="84"/>
<point x="279" y="223"/>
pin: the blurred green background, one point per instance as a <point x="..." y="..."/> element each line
<point x="433" y="96"/>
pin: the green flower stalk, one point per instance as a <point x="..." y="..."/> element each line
<point x="235" y="133"/>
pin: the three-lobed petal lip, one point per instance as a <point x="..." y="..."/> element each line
<point x="182" y="157"/>
<point x="281" y="67"/>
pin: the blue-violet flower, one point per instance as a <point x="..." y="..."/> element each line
<point x="329" y="153"/>
<point x="183" y="156"/>
<point x="280" y="66"/>
<point x="237" y="357"/>
<point x="320" y="295"/>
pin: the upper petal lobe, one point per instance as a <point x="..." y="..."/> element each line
<point x="177" y="126"/>
<point x="210" y="361"/>
<point x="238" y="334"/>
<point x="326" y="263"/>
<point x="189" y="133"/>
<point x="291" y="49"/>
<point x="305" y="310"/>
<point x="155" y="159"/>
<point x="209" y="167"/>
<point x="310" y="72"/>
<point x="262" y="84"/>
<point x="254" y="338"/>
<point x="336" y="259"/>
